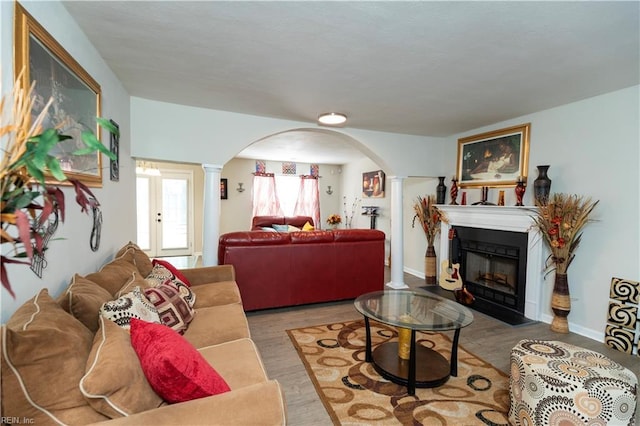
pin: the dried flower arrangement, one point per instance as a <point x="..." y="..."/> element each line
<point x="560" y="222"/>
<point x="29" y="202"/>
<point x="429" y="217"/>
<point x="349" y="218"/>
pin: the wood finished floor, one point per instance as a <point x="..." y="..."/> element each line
<point x="488" y="338"/>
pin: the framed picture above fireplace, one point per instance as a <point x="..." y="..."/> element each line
<point x="496" y="158"/>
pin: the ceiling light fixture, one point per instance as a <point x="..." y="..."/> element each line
<point x="332" y="119"/>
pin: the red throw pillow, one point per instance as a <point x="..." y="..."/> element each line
<point x="173" y="367"/>
<point x="179" y="275"/>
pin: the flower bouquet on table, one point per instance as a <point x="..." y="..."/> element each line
<point x="560" y="222"/>
<point x="429" y="217"/>
<point x="334" y="220"/>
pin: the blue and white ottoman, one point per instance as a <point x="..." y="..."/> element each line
<point x="555" y="383"/>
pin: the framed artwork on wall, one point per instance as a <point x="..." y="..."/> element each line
<point x="373" y="184"/>
<point x="288" y="168"/>
<point x="76" y="95"/>
<point x="223" y="188"/>
<point x="497" y="158"/>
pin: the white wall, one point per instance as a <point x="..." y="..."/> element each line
<point x="72" y="253"/>
<point x="215" y="137"/>
<point x="593" y="147"/>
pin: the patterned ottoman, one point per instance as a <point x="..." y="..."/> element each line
<point x="555" y="383"/>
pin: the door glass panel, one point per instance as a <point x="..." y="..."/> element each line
<point x="174" y="213"/>
<point x="143" y="198"/>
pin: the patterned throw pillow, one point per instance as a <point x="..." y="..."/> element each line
<point x="175" y="271"/>
<point x="160" y="275"/>
<point x="131" y="305"/>
<point x="171" y="302"/>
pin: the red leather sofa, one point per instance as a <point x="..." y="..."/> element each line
<point x="286" y="269"/>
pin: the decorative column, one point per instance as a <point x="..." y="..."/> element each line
<point x="211" y="216"/>
<point x="397" y="235"/>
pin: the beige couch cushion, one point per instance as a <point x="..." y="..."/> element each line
<point x="116" y="273"/>
<point x="237" y="361"/>
<point x="140" y="258"/>
<point x="136" y="280"/>
<point x="217" y="293"/>
<point x="217" y="324"/>
<point x="83" y="299"/>
<point x="44" y="351"/>
<point x="260" y="404"/>
<point x="114" y="383"/>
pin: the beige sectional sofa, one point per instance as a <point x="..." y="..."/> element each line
<point x="63" y="363"/>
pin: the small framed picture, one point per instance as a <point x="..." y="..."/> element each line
<point x="223" y="189"/>
<point x="373" y="184"/>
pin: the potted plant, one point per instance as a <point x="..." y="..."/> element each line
<point x="560" y="221"/>
<point x="30" y="204"/>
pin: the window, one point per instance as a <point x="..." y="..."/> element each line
<point x="286" y="196"/>
<point x="287" y="188"/>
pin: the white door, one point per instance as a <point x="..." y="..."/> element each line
<point x="165" y="213"/>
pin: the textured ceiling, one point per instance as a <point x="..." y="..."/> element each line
<point x="425" y="68"/>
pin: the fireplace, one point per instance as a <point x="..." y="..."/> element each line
<point x="493" y="266"/>
<point x="527" y="298"/>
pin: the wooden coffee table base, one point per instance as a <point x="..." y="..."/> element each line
<point x="432" y="368"/>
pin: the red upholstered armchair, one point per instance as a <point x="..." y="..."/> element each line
<point x="259" y="222"/>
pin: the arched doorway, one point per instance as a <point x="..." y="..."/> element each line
<point x="341" y="159"/>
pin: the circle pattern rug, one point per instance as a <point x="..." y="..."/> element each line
<point x="355" y="394"/>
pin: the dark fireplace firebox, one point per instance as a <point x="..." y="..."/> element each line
<point x="493" y="267"/>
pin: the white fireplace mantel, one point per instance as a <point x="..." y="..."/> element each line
<point x="504" y="218"/>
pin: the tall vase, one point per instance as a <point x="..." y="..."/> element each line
<point x="430" y="265"/>
<point x="560" y="304"/>
<point x="542" y="185"/>
<point x="404" y="342"/>
<point x="441" y="190"/>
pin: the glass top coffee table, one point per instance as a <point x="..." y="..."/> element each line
<point x="415" y="311"/>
